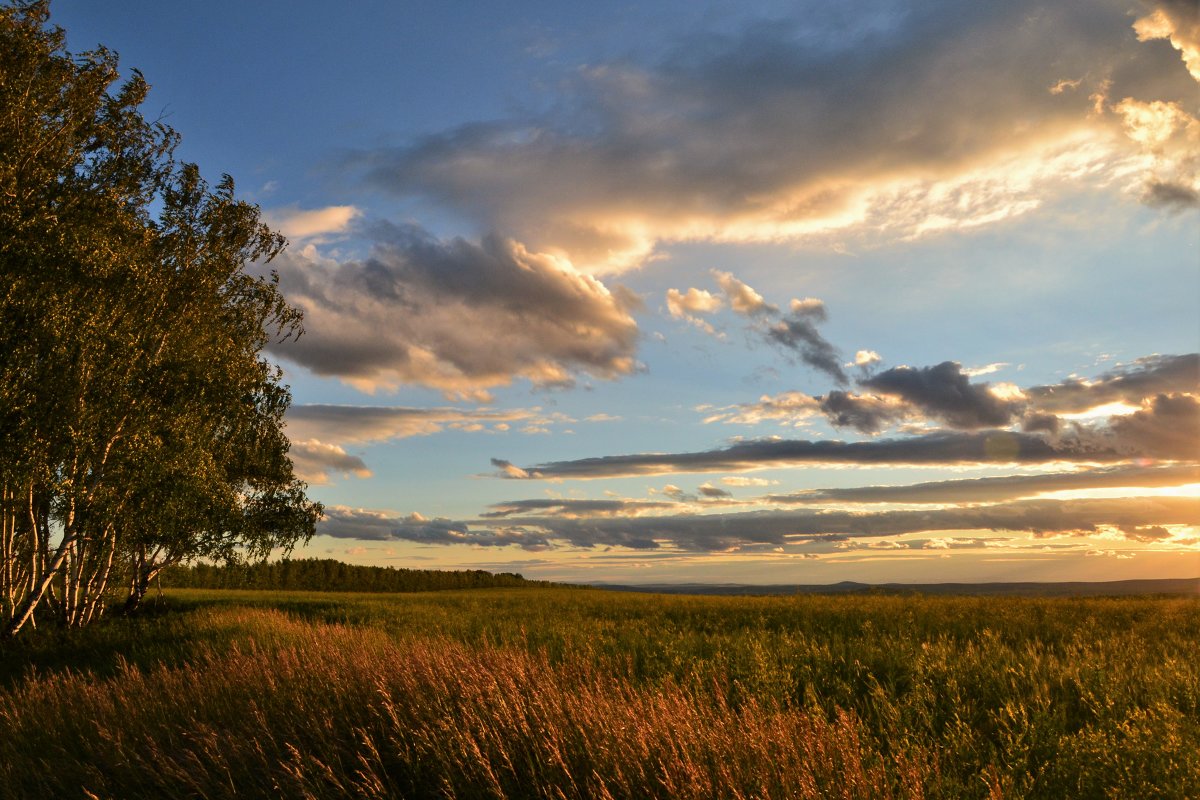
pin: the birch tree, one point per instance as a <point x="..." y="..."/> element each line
<point x="139" y="423"/>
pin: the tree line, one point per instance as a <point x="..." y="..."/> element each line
<point x="140" y="424"/>
<point x="326" y="574"/>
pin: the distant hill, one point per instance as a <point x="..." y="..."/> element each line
<point x="329" y="575"/>
<point x="1167" y="586"/>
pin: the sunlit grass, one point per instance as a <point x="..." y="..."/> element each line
<point x="580" y="693"/>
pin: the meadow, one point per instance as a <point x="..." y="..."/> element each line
<point x="555" y="692"/>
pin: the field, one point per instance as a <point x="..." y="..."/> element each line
<point x="577" y="693"/>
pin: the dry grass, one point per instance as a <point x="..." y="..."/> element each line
<point x="340" y="711"/>
<point x="572" y="694"/>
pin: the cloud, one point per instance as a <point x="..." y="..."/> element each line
<point x="742" y="299"/>
<point x="694" y="301"/>
<point x="788" y="407"/>
<point x="863" y="413"/>
<point x="994" y="489"/>
<point x="721" y="532"/>
<point x="313" y="224"/>
<point x="314" y="460"/>
<point x="1131" y="383"/>
<point x="944" y="448"/>
<point x="454" y="315"/>
<point x="816" y="123"/>
<point x="866" y="358"/>
<point x="362" y="424"/>
<point x="944" y="392"/>
<point x="986" y="369"/>
<point x="686" y="305"/>
<point x="1178" y="21"/>
<point x="511" y="470"/>
<point x="710" y="491"/>
<point x="741" y="481"/>
<point x="1170" y="139"/>
<point x="797" y="332"/>
<point x="1168" y="428"/>
<point x="344" y="522"/>
<point x="561" y="507"/>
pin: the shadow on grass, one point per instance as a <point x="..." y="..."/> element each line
<point x="160" y="632"/>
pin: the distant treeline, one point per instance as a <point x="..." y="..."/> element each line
<point x="329" y="575"/>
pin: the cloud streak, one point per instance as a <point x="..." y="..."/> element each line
<point x="362" y="424"/>
<point x="994" y="489"/>
<point x="940" y="448"/>
<point x="723" y="532"/>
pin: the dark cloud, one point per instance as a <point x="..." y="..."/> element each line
<point x="453" y="315"/>
<point x="798" y="333"/>
<point x="713" y="492"/>
<point x="1168" y="428"/>
<point x="351" y="523"/>
<point x="1150" y="533"/>
<point x="1007" y="487"/>
<point x="1172" y="196"/>
<point x="1130" y="383"/>
<point x="718" y="532"/>
<point x="941" y="448"/>
<point x="863" y="413"/>
<point x="795" y="331"/>
<point x="943" y="392"/>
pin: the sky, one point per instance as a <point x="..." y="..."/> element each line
<point x="725" y="292"/>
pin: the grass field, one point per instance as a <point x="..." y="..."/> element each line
<point x="581" y="693"/>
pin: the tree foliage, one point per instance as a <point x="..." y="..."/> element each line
<point x="330" y="575"/>
<point x="140" y="424"/>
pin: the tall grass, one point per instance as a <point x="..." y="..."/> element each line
<point x="566" y="693"/>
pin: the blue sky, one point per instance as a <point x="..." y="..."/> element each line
<point x="659" y="294"/>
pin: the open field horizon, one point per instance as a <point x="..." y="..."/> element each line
<point x="580" y="693"/>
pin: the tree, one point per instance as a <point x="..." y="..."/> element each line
<point x="139" y="421"/>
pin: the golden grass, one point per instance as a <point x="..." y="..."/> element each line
<point x="575" y="694"/>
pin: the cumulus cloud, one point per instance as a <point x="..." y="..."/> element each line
<point x="742" y="298"/>
<point x="863" y="413"/>
<point x="314" y="460"/>
<point x="1177" y="21"/>
<point x="693" y="301"/>
<point x="454" y="315"/>
<point x="1170" y="138"/>
<point x="866" y="358"/>
<point x="944" y="392"/>
<point x="940" y="119"/>
<point x="686" y="305"/>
